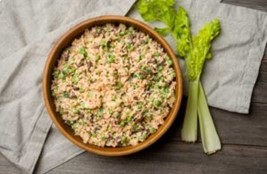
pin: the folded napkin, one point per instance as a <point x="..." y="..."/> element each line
<point x="28" y="31"/>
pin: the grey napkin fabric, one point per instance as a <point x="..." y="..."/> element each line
<point x="28" y="31"/>
<point x="230" y="76"/>
<point x="57" y="150"/>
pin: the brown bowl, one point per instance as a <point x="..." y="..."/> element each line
<point x="64" y="42"/>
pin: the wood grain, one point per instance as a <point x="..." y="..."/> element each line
<point x="255" y="4"/>
<point x="244" y="140"/>
<point x="173" y="158"/>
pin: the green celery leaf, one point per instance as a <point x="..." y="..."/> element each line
<point x="157" y="10"/>
<point x="201" y="49"/>
<point x="181" y="32"/>
<point x="163" y="31"/>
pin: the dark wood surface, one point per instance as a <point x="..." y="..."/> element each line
<point x="244" y="139"/>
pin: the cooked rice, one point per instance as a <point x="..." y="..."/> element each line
<point x="114" y="86"/>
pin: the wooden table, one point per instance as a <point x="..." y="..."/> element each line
<point x="244" y="139"/>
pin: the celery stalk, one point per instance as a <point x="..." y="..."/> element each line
<point x="210" y="139"/>
<point x="189" y="130"/>
<point x="195" y="50"/>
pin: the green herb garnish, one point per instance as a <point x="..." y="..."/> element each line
<point x="157" y="103"/>
<point x="83" y="52"/>
<point x="110" y="58"/>
<point x="75" y="78"/>
<point x="65" y="94"/>
<point x="75" y="110"/>
<point x="97" y="58"/>
<point x="144" y="136"/>
<point x="119" y="85"/>
<point x="124" y="140"/>
<point x="123" y="123"/>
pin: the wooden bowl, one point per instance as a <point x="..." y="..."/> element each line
<point x="64" y="42"/>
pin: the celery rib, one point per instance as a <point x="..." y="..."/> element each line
<point x="210" y="139"/>
<point x="189" y="130"/>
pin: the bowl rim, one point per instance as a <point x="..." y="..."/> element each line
<point x="139" y="25"/>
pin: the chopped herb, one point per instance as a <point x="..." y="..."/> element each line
<point x="138" y="75"/>
<point x="124" y="140"/>
<point x="114" y="98"/>
<point x="68" y="69"/>
<point x="56" y="74"/>
<point x="146" y="41"/>
<point x="112" y="45"/>
<point x="146" y="69"/>
<point x="157" y="103"/>
<point x="131" y="30"/>
<point x="75" y="111"/>
<point x="97" y="58"/>
<point x="152" y="130"/>
<point x="139" y="106"/>
<point x="169" y="61"/>
<point x="110" y="58"/>
<point x="69" y="122"/>
<point x="87" y="59"/>
<point x="129" y="119"/>
<point x="75" y="125"/>
<point x="121" y="33"/>
<point x="129" y="47"/>
<point x="105" y="44"/>
<point x="62" y="76"/>
<point x="81" y="90"/>
<point x="116" y="74"/>
<point x="104" y="138"/>
<point x="119" y="85"/>
<point x="93" y="135"/>
<point x="144" y="136"/>
<point x="160" y="68"/>
<point x="135" y="128"/>
<point x="101" y="110"/>
<point x="53" y="94"/>
<point x="156" y="54"/>
<point x="123" y="123"/>
<point x="110" y="111"/>
<point x="75" y="79"/>
<point x="65" y="94"/>
<point x="141" y="57"/>
<point x="165" y="91"/>
<point x="135" y="86"/>
<point x="82" y="121"/>
<point x="100" y="113"/>
<point x="83" y="52"/>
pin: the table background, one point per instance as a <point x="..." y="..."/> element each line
<point x="244" y="139"/>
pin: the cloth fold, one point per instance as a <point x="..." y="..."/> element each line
<point x="30" y="28"/>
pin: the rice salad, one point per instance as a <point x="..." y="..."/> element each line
<point x="114" y="86"/>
